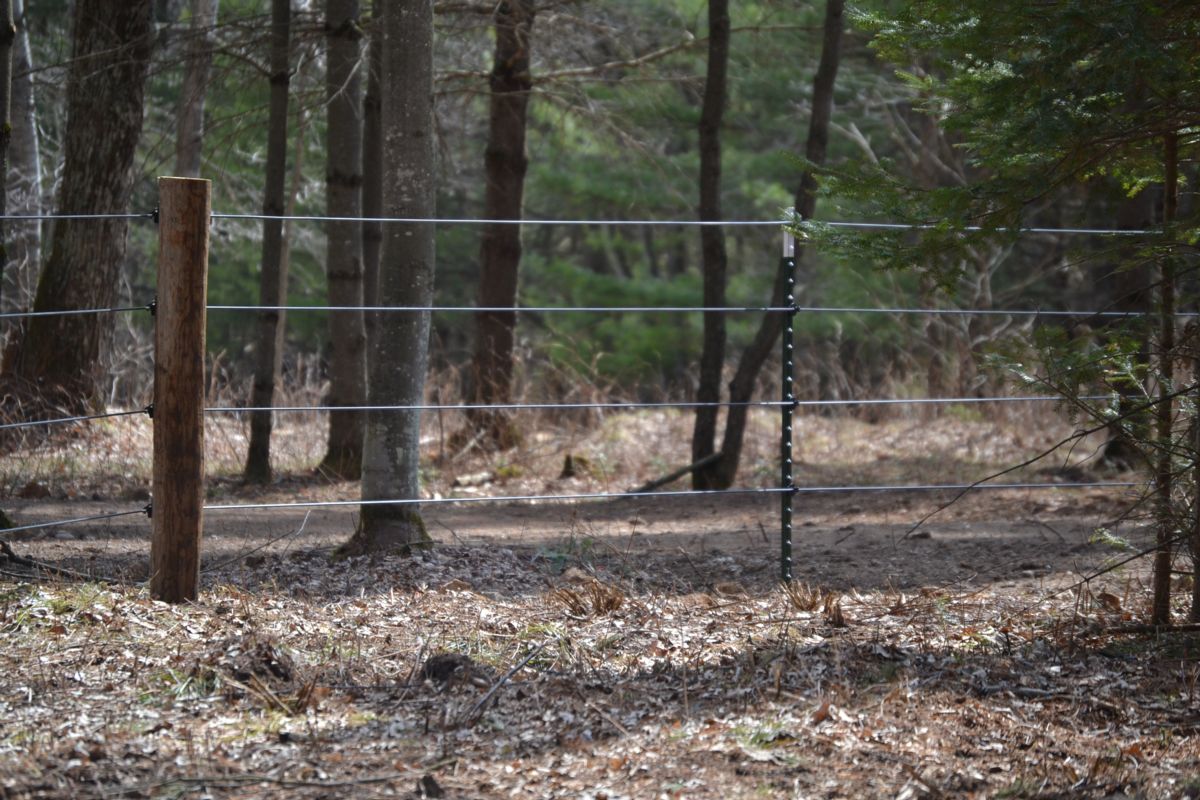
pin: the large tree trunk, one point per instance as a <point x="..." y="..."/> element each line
<point x="399" y="353"/>
<point x="741" y="388"/>
<point x="712" y="243"/>
<point x="189" y="121"/>
<point x="505" y="163"/>
<point x="273" y="278"/>
<point x="63" y="358"/>
<point x="24" y="187"/>
<point x="344" y="265"/>
<point x="372" y="166"/>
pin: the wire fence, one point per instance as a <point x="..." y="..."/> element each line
<point x="764" y="490"/>
<point x="8" y="426"/>
<point x="850" y="310"/>
<point x="955" y="312"/>
<point x="786" y="405"/>
<point x="691" y="223"/>
<point x="71" y="312"/>
<point x="614" y="406"/>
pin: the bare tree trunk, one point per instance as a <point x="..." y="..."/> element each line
<point x="505" y="164"/>
<point x="399" y="353"/>
<point x="372" y="166"/>
<point x="1164" y="473"/>
<point x="344" y="265"/>
<point x="1194" y="611"/>
<point x="273" y="278"/>
<point x="189" y="121"/>
<point x="8" y="35"/>
<point x="63" y="358"/>
<point x="24" y="187"/>
<point x="741" y="388"/>
<point x="712" y="243"/>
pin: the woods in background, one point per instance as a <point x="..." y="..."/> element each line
<point x="970" y="120"/>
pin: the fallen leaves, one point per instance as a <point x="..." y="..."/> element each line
<point x="308" y="678"/>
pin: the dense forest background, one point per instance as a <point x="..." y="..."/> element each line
<point x="612" y="135"/>
<point x="961" y="127"/>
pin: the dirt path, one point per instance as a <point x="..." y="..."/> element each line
<point x="840" y="541"/>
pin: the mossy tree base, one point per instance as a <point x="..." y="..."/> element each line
<point x="387" y="530"/>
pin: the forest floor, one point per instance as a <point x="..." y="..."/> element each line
<point x="630" y="648"/>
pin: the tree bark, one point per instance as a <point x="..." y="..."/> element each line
<point x="741" y="388"/>
<point x="273" y="278"/>
<point x="63" y="358"/>
<point x="372" y="165"/>
<point x="189" y="122"/>
<point x="505" y="163"/>
<point x="399" y="353"/>
<point x="1164" y="473"/>
<point x="24" y="187"/>
<point x="8" y="36"/>
<point x="712" y="244"/>
<point x="344" y="263"/>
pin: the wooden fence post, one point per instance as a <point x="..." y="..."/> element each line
<point x="184" y="208"/>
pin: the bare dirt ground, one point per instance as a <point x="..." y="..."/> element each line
<point x="611" y="649"/>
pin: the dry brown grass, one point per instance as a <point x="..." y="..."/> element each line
<point x="612" y="451"/>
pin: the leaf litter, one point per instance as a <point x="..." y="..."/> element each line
<point x="965" y="664"/>
<point x="476" y="673"/>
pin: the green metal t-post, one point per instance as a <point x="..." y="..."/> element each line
<point x="786" y="410"/>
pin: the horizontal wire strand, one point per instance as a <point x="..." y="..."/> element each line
<point x="71" y="312"/>
<point x="119" y="215"/>
<point x="694" y="493"/>
<point x="951" y="487"/>
<point x="899" y="401"/>
<point x="64" y="420"/>
<point x="496" y="406"/>
<point x="682" y="404"/>
<point x="696" y="223"/>
<point x="849" y="224"/>
<point x="904" y="226"/>
<point x="958" y="312"/>
<point x="472" y="221"/>
<point x="565" y="406"/>
<point x="981" y="312"/>
<point x="514" y="310"/>
<point x="56" y="523"/>
<point x="505" y="499"/>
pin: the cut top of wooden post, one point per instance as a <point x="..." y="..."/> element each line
<point x="178" y="482"/>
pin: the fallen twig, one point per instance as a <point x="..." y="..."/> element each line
<point x="8" y="553"/>
<point x="1079" y="434"/>
<point x="607" y="717"/>
<point x="235" y="781"/>
<point x="253" y="550"/>
<point x="712" y="458"/>
<point x="481" y="704"/>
